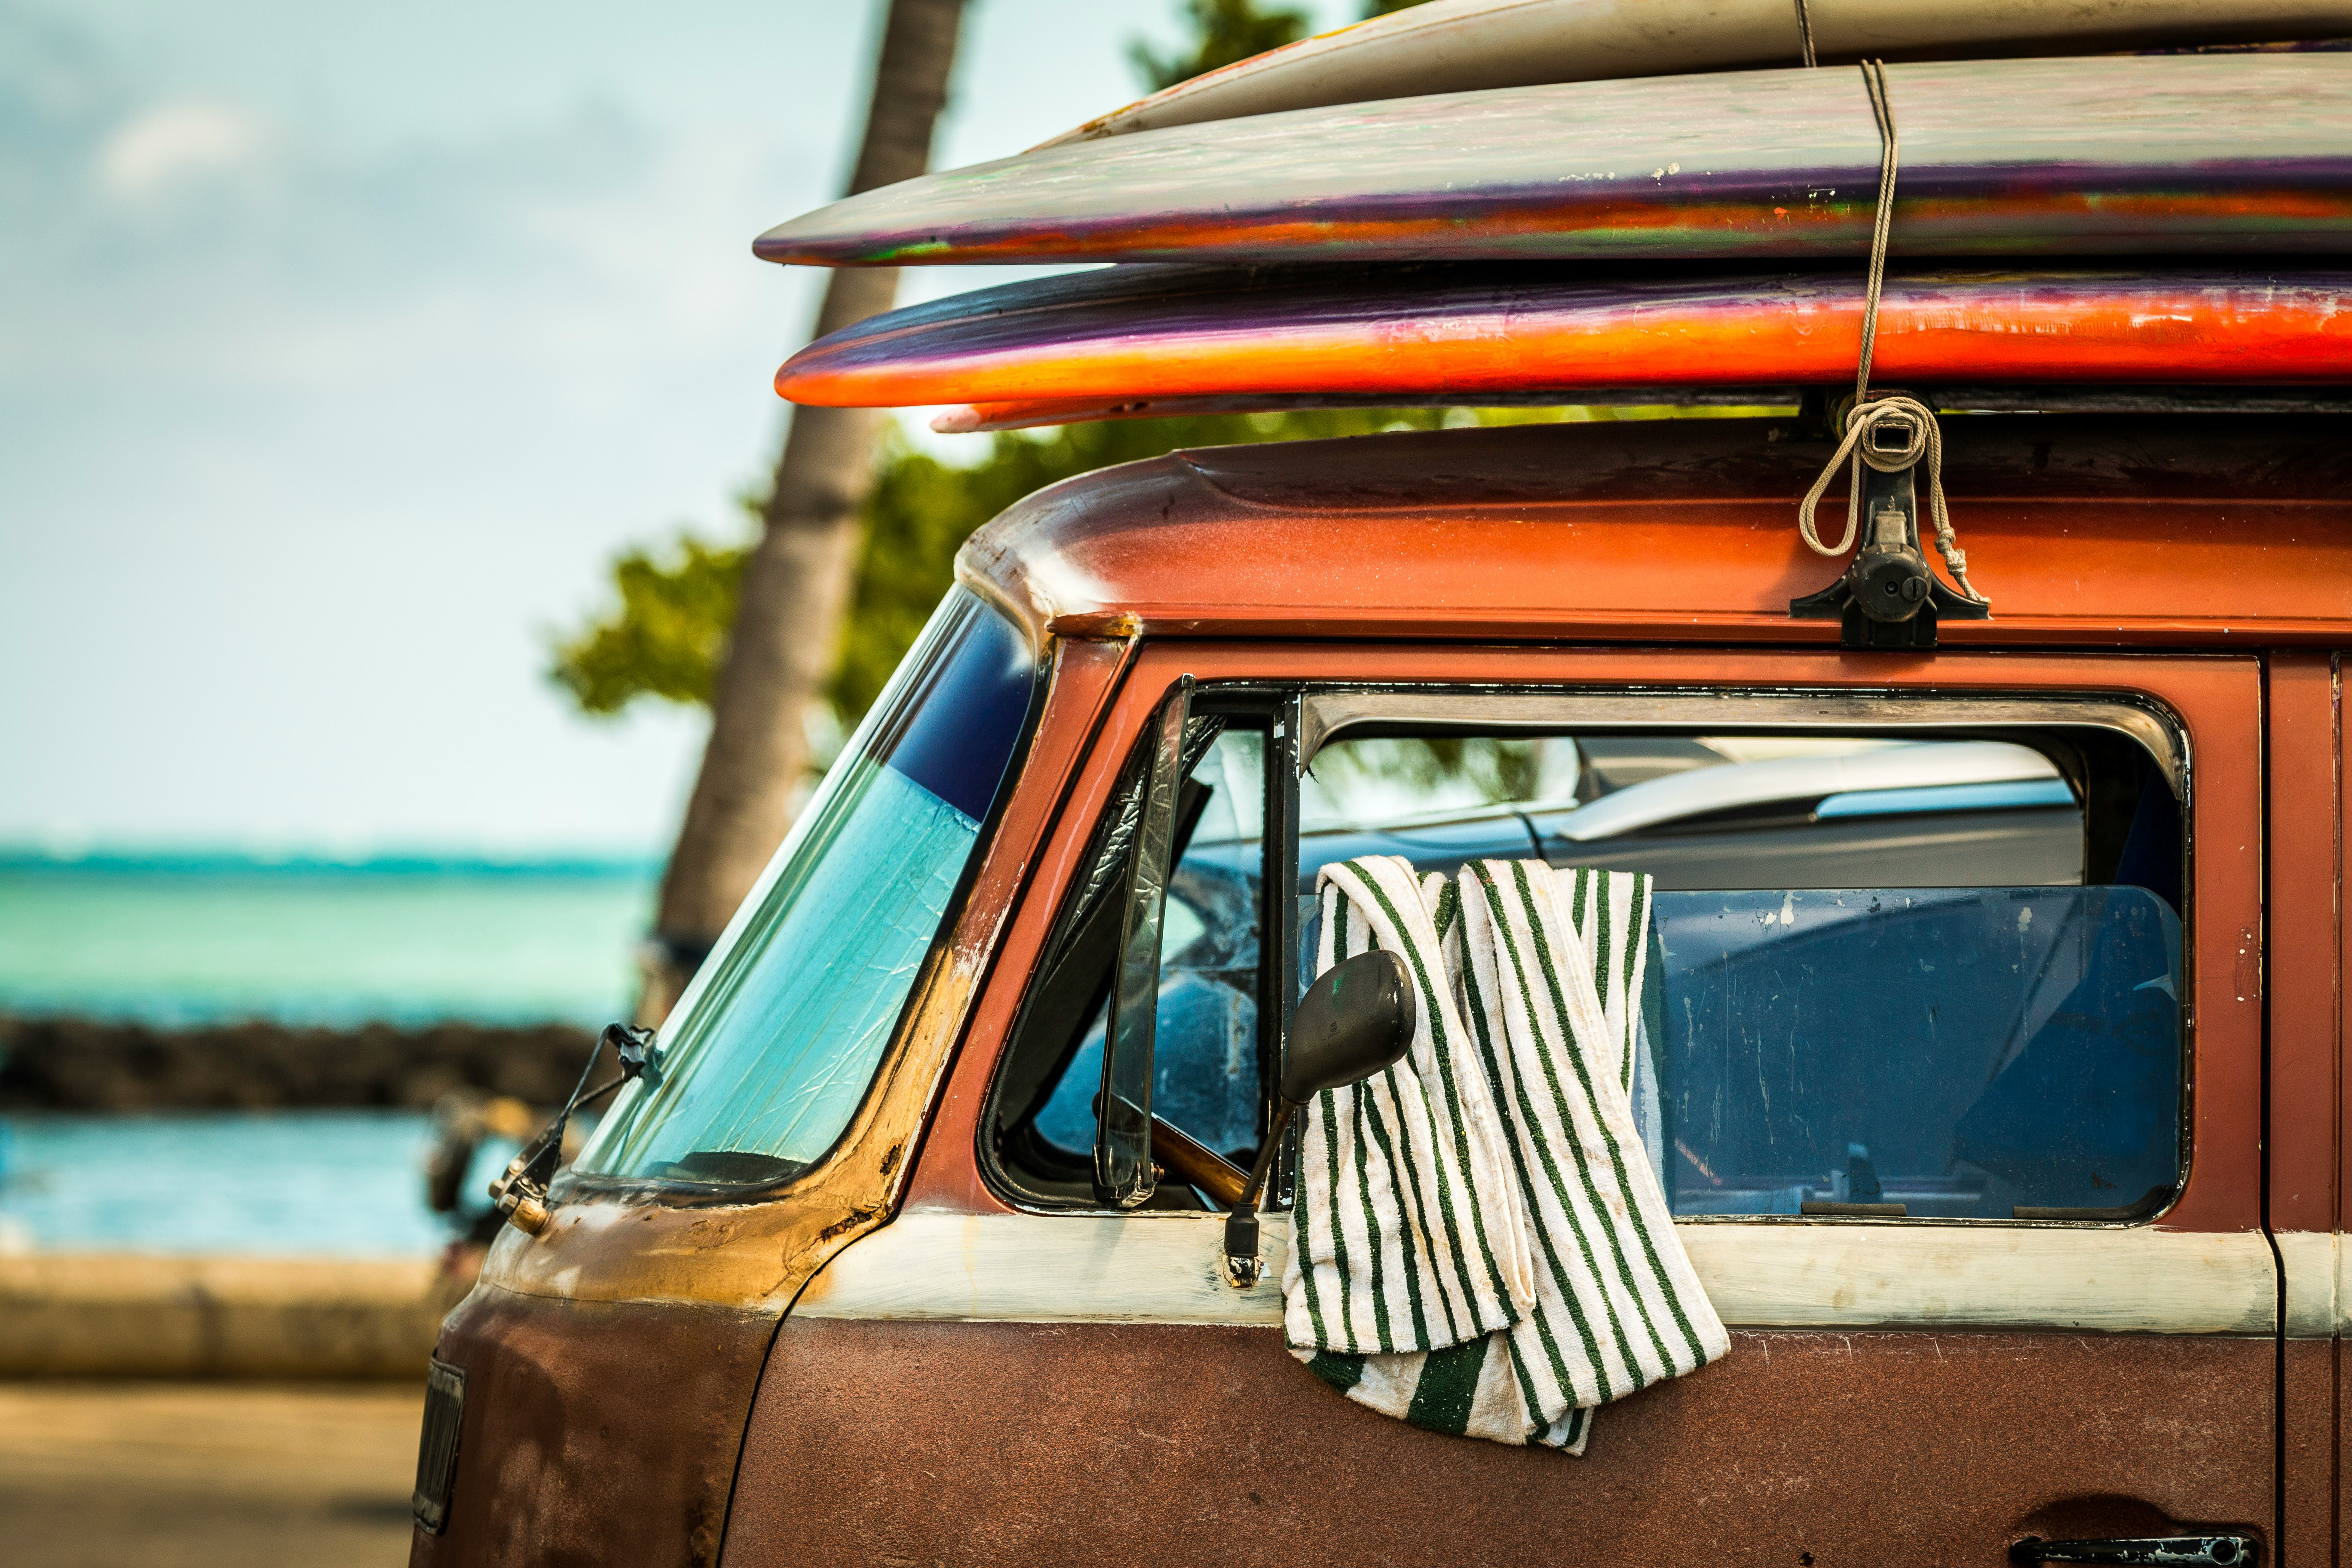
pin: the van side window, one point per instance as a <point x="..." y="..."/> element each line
<point x="1887" y="977"/>
<point x="1209" y="1046"/>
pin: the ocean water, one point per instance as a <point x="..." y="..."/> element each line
<point x="310" y="1182"/>
<point x="178" y="943"/>
<point x="182" y="941"/>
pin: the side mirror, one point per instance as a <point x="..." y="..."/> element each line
<point x="1356" y="1020"/>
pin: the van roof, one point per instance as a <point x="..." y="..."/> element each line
<point x="2211" y="530"/>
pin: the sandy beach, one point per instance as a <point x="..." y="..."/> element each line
<point x="195" y="1474"/>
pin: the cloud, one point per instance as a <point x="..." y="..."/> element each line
<point x="174" y="143"/>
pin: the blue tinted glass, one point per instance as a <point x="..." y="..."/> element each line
<point x="1067" y="1119"/>
<point x="962" y="719"/>
<point x="1962" y="1052"/>
<point x="1204" y="1055"/>
<point x="767" y="1061"/>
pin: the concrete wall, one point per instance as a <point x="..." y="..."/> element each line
<point x="106" y="1315"/>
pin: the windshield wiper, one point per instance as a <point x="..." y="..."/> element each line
<point x="520" y="1193"/>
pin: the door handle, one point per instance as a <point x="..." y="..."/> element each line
<point x="2202" y="1550"/>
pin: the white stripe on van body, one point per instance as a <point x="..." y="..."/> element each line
<point x="2315" y="1297"/>
<point x="1167" y="1268"/>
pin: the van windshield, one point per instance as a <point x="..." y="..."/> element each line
<point x="773" y="1048"/>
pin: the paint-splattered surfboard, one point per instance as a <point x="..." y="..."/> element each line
<point x="1468" y="45"/>
<point x="1508" y="332"/>
<point x="1637" y="403"/>
<point x="2239" y="154"/>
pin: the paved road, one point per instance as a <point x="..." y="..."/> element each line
<point x="205" y="1475"/>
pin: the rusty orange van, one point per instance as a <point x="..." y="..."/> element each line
<point x="2010" y="1249"/>
<point x="1990" y="1054"/>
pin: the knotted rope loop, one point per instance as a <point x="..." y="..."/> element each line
<point x="1923" y="441"/>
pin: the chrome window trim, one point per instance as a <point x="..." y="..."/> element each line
<point x="1326" y="712"/>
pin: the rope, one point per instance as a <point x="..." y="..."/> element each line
<point x="1926" y="438"/>
<point x="1873" y="80"/>
<point x="1805" y="31"/>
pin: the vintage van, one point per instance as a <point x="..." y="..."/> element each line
<point x="1993" y="1053"/>
<point x="1990" y="1042"/>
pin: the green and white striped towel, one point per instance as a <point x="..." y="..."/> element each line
<point x="1425" y="1247"/>
<point x="1530" y="985"/>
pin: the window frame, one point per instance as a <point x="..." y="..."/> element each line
<point x="1313" y="697"/>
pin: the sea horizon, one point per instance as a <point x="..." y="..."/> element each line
<point x="186" y="936"/>
<point x="231" y="860"/>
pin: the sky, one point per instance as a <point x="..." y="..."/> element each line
<point x="342" y="347"/>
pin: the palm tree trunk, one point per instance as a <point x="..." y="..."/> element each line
<point x="788" y="621"/>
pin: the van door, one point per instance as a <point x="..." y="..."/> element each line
<point x="2303" y="977"/>
<point x="1990" y="1239"/>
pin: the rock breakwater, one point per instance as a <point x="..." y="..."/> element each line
<point x="85" y="1065"/>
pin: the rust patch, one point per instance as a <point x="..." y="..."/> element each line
<point x="855" y="1220"/>
<point x="705" y="1234"/>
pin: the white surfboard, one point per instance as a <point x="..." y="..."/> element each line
<point x="2236" y="155"/>
<point x="1466" y="46"/>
